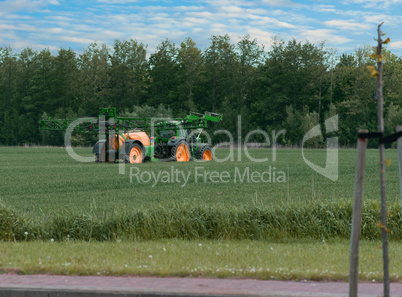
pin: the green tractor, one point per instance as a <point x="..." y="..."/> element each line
<point x="174" y="142"/>
<point x="135" y="140"/>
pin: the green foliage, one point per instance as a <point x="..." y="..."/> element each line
<point x="128" y="73"/>
<point x="163" y="75"/>
<point x="189" y="59"/>
<point x="221" y="65"/>
<point x="392" y="120"/>
<point x="79" y="140"/>
<point x="235" y="79"/>
<point x="95" y="71"/>
<point x="146" y="111"/>
<point x="298" y="123"/>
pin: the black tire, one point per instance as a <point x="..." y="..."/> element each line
<point x="135" y="152"/>
<point x="174" y="153"/>
<point x="203" y="150"/>
<point x="100" y="158"/>
<point x="158" y="151"/>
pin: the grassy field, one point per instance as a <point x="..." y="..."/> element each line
<point x="47" y="194"/>
<point x="54" y="211"/>
<point x="319" y="260"/>
<point x="40" y="182"/>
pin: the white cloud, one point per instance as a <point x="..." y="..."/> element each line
<point x="264" y="21"/>
<point x="61" y="18"/>
<point x="395" y="45"/>
<point x="22" y="44"/>
<point x="259" y="11"/>
<point x="195" y="21"/>
<point x="389" y="20"/>
<point x="223" y="3"/>
<point x="374" y="3"/>
<point x="348" y="25"/>
<point x="324" y="8"/>
<point x="55" y="30"/>
<point x="19" y="27"/>
<point x="17" y="5"/>
<point x="117" y="1"/>
<point x="24" y="5"/>
<point x="263" y="37"/>
<point x="281" y="3"/>
<point x="233" y="10"/>
<point x="319" y="35"/>
<point x="83" y="41"/>
<point x="35" y="23"/>
<point x="201" y="14"/>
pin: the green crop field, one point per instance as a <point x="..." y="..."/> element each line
<point x="166" y="218"/>
<point x="50" y="195"/>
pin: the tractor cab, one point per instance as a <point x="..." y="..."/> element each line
<point x="166" y="134"/>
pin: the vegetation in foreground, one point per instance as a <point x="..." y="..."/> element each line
<point x="331" y="220"/>
<point x="296" y="260"/>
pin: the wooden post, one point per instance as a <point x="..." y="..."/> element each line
<point x="384" y="232"/>
<point x="357" y="215"/>
<point x="399" y="128"/>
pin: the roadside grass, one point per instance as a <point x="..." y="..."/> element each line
<point x="296" y="260"/>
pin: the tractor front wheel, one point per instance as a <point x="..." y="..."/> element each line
<point x="180" y="152"/>
<point x="136" y="154"/>
<point x="204" y="153"/>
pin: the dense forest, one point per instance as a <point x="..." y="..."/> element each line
<point x="293" y="86"/>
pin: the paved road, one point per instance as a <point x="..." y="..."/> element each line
<point x="90" y="286"/>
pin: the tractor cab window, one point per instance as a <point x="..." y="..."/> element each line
<point x="183" y="133"/>
<point x="167" y="133"/>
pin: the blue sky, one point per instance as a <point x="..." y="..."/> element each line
<point x="345" y="25"/>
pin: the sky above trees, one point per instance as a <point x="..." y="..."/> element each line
<point x="54" y="24"/>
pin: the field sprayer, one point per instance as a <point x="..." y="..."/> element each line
<point x="134" y="140"/>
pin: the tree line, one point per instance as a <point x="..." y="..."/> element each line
<point x="293" y="86"/>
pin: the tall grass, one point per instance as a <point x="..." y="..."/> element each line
<point x="311" y="220"/>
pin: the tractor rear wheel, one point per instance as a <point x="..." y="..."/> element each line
<point x="180" y="152"/>
<point x="204" y="153"/>
<point x="136" y="154"/>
